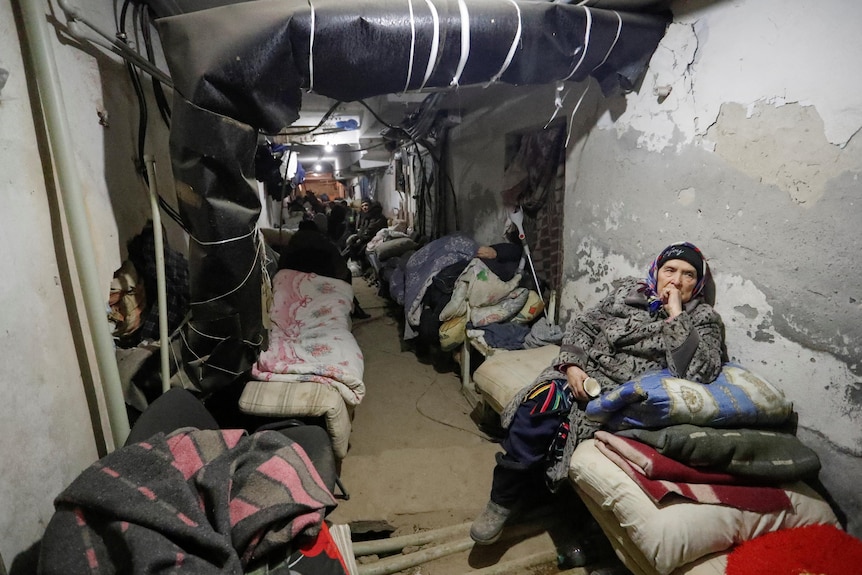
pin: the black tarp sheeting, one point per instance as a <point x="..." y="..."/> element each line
<point x="241" y="68"/>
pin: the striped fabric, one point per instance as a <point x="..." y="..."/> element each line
<point x="214" y="501"/>
<point x="301" y="399"/>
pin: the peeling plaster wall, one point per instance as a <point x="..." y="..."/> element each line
<point x="743" y="138"/>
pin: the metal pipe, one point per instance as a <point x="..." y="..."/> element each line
<point x="402" y="562"/>
<point x="74" y="17"/>
<point x="161" y="289"/>
<point x="379" y="546"/>
<point x="47" y="79"/>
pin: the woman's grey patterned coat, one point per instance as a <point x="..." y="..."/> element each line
<point x="617" y="340"/>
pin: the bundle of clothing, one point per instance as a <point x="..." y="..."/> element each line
<point x="453" y="286"/>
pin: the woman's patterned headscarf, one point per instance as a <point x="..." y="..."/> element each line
<point x="649" y="285"/>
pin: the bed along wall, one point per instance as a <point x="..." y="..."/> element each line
<point x="743" y="138"/>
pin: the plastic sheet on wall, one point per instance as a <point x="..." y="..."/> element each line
<point x="240" y="69"/>
<point x="213" y="158"/>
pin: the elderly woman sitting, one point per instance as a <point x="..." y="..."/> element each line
<point x="658" y="322"/>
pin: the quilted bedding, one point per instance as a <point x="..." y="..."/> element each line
<point x="737" y="398"/>
<point x="310" y="338"/>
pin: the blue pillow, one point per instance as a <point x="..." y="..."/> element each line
<point x="737" y="398"/>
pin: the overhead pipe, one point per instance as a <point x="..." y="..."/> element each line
<point x="50" y="94"/>
<point x="118" y="47"/>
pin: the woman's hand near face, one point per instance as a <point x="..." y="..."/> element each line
<point x="576" y="376"/>
<point x="671" y="297"/>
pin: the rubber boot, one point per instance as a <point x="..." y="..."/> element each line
<point x="510" y="478"/>
<point x="488" y="527"/>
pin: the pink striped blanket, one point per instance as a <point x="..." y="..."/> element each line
<point x="215" y="501"/>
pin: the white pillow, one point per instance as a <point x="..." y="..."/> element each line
<point x="677" y="533"/>
<point x="506" y="372"/>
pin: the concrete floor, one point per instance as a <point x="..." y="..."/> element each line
<point x="418" y="462"/>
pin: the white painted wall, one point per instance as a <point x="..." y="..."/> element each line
<point x="50" y="420"/>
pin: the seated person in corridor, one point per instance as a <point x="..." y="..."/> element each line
<point x="658" y="322"/>
<point x="371" y="221"/>
<point x="310" y="250"/>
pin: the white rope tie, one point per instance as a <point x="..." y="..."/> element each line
<point x="511" y="55"/>
<point x="206" y="335"/>
<point x="248" y="275"/>
<point x="311" y="49"/>
<point x="435" y="43"/>
<point x="465" y="42"/>
<point x="412" y="45"/>
<point x="558" y="102"/>
<point x="575" y="111"/>
<point x="589" y="26"/>
<point x="220" y="242"/>
<point x="203" y="360"/>
<point x="614" y="44"/>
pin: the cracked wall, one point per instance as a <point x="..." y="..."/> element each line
<point x="784" y="146"/>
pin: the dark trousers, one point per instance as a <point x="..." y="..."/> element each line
<point x="526" y="446"/>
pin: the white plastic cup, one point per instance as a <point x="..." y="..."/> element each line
<point x="592" y="387"/>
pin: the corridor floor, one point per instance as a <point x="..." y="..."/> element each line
<point x="417" y="461"/>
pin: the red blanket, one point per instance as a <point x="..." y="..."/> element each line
<point x="660" y="476"/>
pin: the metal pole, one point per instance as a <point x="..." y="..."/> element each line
<point x="164" y="340"/>
<point x="48" y="82"/>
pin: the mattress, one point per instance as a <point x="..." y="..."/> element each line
<point x="312" y="366"/>
<point x="505" y="372"/>
<point x="679" y="537"/>
<point x="301" y="399"/>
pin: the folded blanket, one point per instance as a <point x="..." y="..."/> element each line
<point x="737" y="398"/>
<point x="753" y="453"/>
<point x="660" y="476"/>
<point x="214" y="501"/>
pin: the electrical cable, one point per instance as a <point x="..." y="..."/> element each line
<point x="158" y="91"/>
<point x="441" y="422"/>
<point x="310" y="130"/>
<point x="143" y="114"/>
